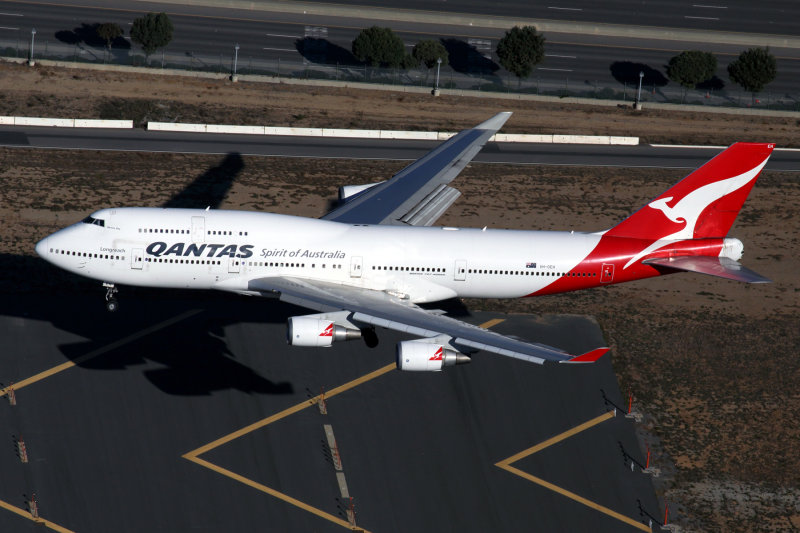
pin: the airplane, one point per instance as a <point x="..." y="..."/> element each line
<point x="371" y="261"/>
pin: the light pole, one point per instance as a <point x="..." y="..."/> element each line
<point x="639" y="94"/>
<point x="33" y="36"/>
<point x="234" y="77"/>
<point x="436" y="84"/>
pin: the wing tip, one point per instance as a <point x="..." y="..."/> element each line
<point x="588" y="357"/>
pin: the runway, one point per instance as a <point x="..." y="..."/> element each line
<point x="273" y="146"/>
<point x="187" y="411"/>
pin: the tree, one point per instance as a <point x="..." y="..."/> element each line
<point x="379" y="46"/>
<point x="429" y="51"/>
<point x="152" y="31"/>
<point x="109" y="32"/>
<point x="520" y="50"/>
<point x="753" y="69"/>
<point x="691" y="67"/>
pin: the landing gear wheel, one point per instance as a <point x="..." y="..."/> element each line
<point x="111" y="302"/>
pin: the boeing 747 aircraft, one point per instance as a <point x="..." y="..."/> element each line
<point x="373" y="259"/>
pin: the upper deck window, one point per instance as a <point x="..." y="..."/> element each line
<point x="95" y="221"/>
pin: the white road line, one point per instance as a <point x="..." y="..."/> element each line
<point x="7" y="28"/>
<point x="556" y="69"/>
<point x="566" y="8"/>
<point x="12" y="14"/>
<point x="714" y="147"/>
<point x="282" y="35"/>
<point x="709" y="7"/>
<point x="553" y="55"/>
<point x="701" y="18"/>
<point x="281" y="49"/>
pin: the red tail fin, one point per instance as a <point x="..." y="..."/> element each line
<point x="705" y="203"/>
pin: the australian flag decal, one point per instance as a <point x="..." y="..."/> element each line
<point x="530" y="265"/>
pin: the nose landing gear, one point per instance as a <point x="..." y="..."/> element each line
<point x="111" y="302"/>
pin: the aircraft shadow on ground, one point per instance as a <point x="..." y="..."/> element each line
<point x="211" y="187"/>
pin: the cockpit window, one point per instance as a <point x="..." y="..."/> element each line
<point x="95" y="221"/>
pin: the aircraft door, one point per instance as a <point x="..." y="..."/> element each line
<point x="137" y="259"/>
<point x="198" y="229"/>
<point x="460" y="272"/>
<point x="607" y="273"/>
<point x="234" y="265"/>
<point x="356" y="264"/>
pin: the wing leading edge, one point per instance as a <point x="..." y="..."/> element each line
<point x="381" y="309"/>
<point x="418" y="195"/>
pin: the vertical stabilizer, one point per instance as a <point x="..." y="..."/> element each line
<point x="705" y="203"/>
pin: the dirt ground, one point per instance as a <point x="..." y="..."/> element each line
<point x="43" y="91"/>
<point x="712" y="364"/>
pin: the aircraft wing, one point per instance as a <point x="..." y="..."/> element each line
<point x="418" y="195"/>
<point x="381" y="309"/>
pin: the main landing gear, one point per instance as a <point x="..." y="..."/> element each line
<point x="111" y="302"/>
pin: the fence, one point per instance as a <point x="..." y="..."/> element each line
<point x="314" y="63"/>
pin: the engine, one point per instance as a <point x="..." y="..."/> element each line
<point x="425" y="356"/>
<point x="348" y="191"/>
<point x="315" y="331"/>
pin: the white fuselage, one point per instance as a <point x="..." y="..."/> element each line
<point x="187" y="248"/>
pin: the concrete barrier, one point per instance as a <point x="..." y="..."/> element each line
<point x="358" y="134"/>
<point x="50" y="122"/>
<point x="409" y="135"/>
<point x="111" y="124"/>
<point x="628" y="141"/>
<point x="7" y="121"/>
<point x="521" y="138"/>
<point x="305" y="132"/>
<point x="176" y="126"/>
<point x="242" y="130"/>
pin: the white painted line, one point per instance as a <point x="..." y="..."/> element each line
<point x="282" y="35"/>
<point x="709" y="7"/>
<point x="12" y="14"/>
<point x="556" y="69"/>
<point x="701" y="18"/>
<point x="566" y="57"/>
<point x="686" y="146"/>
<point x="566" y="8"/>
<point x="7" y="28"/>
<point x="715" y="147"/>
<point x="281" y="49"/>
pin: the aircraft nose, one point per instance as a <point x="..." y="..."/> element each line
<point x="41" y="247"/>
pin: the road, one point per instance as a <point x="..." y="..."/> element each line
<point x="512" y="153"/>
<point x="205" y="38"/>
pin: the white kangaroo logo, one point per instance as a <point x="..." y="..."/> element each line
<point x="689" y="207"/>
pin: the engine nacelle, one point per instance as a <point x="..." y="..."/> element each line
<point x="347" y="191"/>
<point x="314" y="331"/>
<point x="418" y="356"/>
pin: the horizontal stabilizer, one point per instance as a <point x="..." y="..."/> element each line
<point x="588" y="357"/>
<point x="721" y="267"/>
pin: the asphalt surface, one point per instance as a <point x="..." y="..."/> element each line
<point x="106" y="438"/>
<point x="323" y="147"/>
<point x="205" y="37"/>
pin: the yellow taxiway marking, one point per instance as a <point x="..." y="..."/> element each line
<point x="290" y="411"/>
<point x="25" y="514"/>
<point x="100" y="351"/>
<point x="272" y="492"/>
<point x="506" y="465"/>
<point x="194" y="455"/>
<point x="491" y="323"/>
